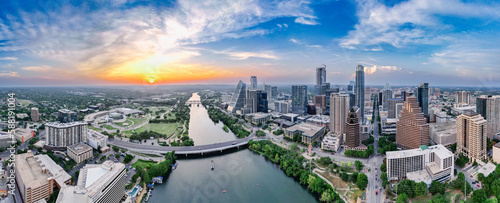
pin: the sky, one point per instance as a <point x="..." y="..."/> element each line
<point x="127" y="42"/>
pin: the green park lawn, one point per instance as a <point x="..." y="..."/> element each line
<point x="143" y="163"/>
<point x="163" y="128"/>
<point x="93" y="128"/>
<point x="108" y="127"/>
<point x="128" y="122"/>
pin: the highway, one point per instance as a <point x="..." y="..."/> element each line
<point x="182" y="150"/>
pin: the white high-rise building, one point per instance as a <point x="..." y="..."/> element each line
<point x="65" y="134"/>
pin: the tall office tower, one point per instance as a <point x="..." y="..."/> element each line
<point x="267" y="88"/>
<point x="299" y="99"/>
<point x="320" y="102"/>
<point x="339" y="108"/>
<point x="392" y="107"/>
<point x="462" y="97"/>
<point x="380" y="98"/>
<point x="412" y="129"/>
<point x="471" y="135"/>
<point x="352" y="130"/>
<point x="423" y="98"/>
<point x="66" y="116"/>
<point x="360" y="90"/>
<point x="256" y="101"/>
<point x="253" y="82"/>
<point x="351" y="86"/>
<point x="238" y="99"/>
<point x="274" y="92"/>
<point x="481" y="105"/>
<point x="493" y="115"/>
<point x="386" y="95"/>
<point x="65" y="134"/>
<point x="320" y="75"/>
<point x="35" y="115"/>
<point x="352" y="99"/>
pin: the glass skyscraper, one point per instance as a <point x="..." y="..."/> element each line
<point x="299" y="99"/>
<point x="423" y="98"/>
<point x="253" y="82"/>
<point x="360" y="90"/>
<point x="238" y="99"/>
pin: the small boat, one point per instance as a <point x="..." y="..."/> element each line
<point x="213" y="167"/>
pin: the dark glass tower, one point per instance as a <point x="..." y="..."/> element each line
<point x="299" y="99"/>
<point x="360" y="90"/>
<point x="423" y="98"/>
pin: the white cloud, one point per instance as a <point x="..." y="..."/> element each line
<point x="372" y="69"/>
<point x="246" y="55"/>
<point x="294" y="41"/>
<point x="9" y="58"/>
<point x="306" y="21"/>
<point x="314" y="46"/>
<point x="9" y="74"/>
<point x="413" y="21"/>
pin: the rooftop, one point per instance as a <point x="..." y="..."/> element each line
<point x="79" y="148"/>
<point x="30" y="170"/>
<point x="487" y="169"/>
<point x="92" y="134"/>
<point x="308" y="129"/>
<point x="497" y="145"/>
<point x="64" y="125"/>
<point x="419" y="176"/>
<point x="93" y="177"/>
<point x="58" y="173"/>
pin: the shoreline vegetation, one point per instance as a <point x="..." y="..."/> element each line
<point x="232" y="123"/>
<point x="291" y="163"/>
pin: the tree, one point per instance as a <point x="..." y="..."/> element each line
<point x="480" y="177"/>
<point x="260" y="133"/>
<point x="383" y="167"/>
<point x="438" y="199"/>
<point x="294" y="147"/>
<point x="436" y="187"/>
<point x="344" y="176"/>
<point x="128" y="158"/>
<point x="326" y="196"/>
<point x="495" y="187"/>
<point x="116" y="149"/>
<point x="421" y="189"/>
<point x="479" y="195"/>
<point x="359" y="165"/>
<point x="402" y="198"/>
<point x="362" y="181"/>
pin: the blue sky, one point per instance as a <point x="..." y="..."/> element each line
<point x="220" y="42"/>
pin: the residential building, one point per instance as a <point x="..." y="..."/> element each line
<point x="481" y="105"/>
<point x="360" y="90"/>
<point x="412" y="129"/>
<point x="331" y="142"/>
<point x="496" y="153"/>
<point x="352" y="130"/>
<point x="320" y="102"/>
<point x="471" y="135"/>
<point x="299" y="99"/>
<point x="391" y="108"/>
<point x="65" y="134"/>
<point x="320" y="79"/>
<point x="66" y="116"/>
<point x="80" y="152"/>
<point x="339" y="108"/>
<point x="423" y="98"/>
<point x="35" y="115"/>
<point x="256" y="101"/>
<point x="238" y="98"/>
<point x="96" y="183"/>
<point x="427" y="164"/>
<point x="253" y="82"/>
<point x="309" y="132"/>
<point x="272" y="92"/>
<point x="283" y="107"/>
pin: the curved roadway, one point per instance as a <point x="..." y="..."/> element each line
<point x="184" y="150"/>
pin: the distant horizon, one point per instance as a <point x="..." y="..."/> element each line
<point x="219" y="42"/>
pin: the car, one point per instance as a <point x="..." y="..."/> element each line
<point x="234" y="143"/>
<point x="376" y="192"/>
<point x="478" y="185"/>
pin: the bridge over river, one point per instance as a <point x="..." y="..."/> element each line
<point x="184" y="150"/>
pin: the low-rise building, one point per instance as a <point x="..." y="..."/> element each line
<point x="256" y="118"/>
<point x="96" y="183"/>
<point x="496" y="153"/>
<point x="322" y="120"/>
<point x="292" y="117"/>
<point x="388" y="126"/>
<point x="444" y="133"/>
<point x="23" y="135"/>
<point x="332" y="142"/>
<point x="309" y="132"/>
<point x="97" y="140"/>
<point x="80" y="152"/>
<point x="461" y="110"/>
<point x="436" y="161"/>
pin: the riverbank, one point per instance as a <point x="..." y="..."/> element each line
<point x="291" y="163"/>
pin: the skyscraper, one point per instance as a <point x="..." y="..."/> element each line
<point x="412" y="129"/>
<point x="386" y="95"/>
<point x="471" y="135"/>
<point x="423" y="98"/>
<point x="256" y="101"/>
<point x="274" y="93"/>
<point x="493" y="114"/>
<point x="360" y="90"/>
<point x="238" y="99"/>
<point x="392" y="107"/>
<point x="299" y="99"/>
<point x="320" y="75"/>
<point x="352" y="130"/>
<point x="351" y="86"/>
<point x="35" y="115"/>
<point x="481" y="105"/>
<point x="253" y="82"/>
<point x="339" y="108"/>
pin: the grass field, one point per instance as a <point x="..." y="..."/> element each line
<point x="336" y="181"/>
<point x="153" y="110"/>
<point x="137" y="121"/>
<point x="108" y="127"/>
<point x="93" y="128"/>
<point x="24" y="102"/>
<point x="447" y="195"/>
<point x="127" y="122"/>
<point x="163" y="128"/>
<point x="143" y="163"/>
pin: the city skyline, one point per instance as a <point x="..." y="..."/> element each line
<point x="183" y="42"/>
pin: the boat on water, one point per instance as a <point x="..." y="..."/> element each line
<point x="213" y="167"/>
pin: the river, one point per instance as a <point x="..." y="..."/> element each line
<point x="239" y="176"/>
